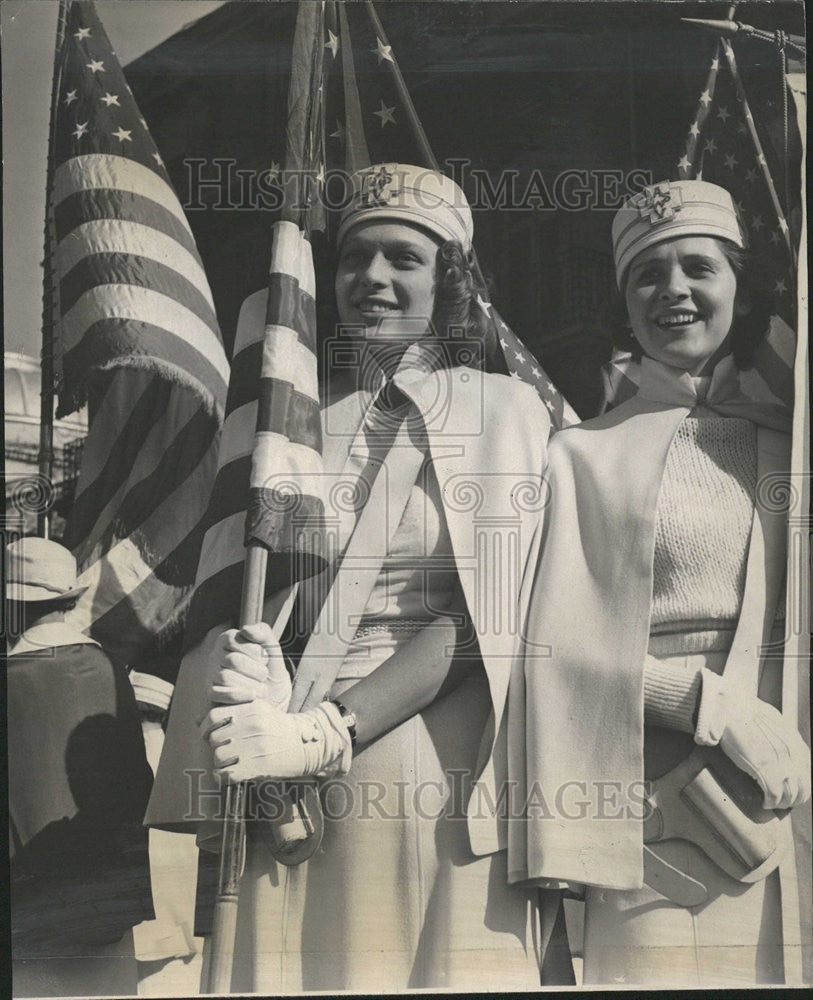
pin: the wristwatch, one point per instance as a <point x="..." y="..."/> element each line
<point x="349" y="720"/>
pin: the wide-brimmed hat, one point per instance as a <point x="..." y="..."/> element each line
<point x="406" y="193"/>
<point x="38" y="569"/>
<point x="669" y="210"/>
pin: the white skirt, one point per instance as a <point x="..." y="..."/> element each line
<point x="641" y="938"/>
<point x="394" y="899"/>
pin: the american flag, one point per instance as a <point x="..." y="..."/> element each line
<point x="723" y="146"/>
<point x="345" y="113"/>
<point x="267" y="487"/>
<point x="370" y="119"/>
<point x="135" y="334"/>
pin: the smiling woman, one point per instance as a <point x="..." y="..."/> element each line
<point x="682" y="299"/>
<point x="684" y="626"/>
<point x="441" y="458"/>
<point x="386" y="275"/>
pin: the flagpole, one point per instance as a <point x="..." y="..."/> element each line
<point x="49" y="298"/>
<point x="297" y="207"/>
<point x="752" y="131"/>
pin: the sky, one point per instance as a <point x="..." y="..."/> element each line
<point x="28" y="33"/>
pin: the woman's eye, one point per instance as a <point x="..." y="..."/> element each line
<point x="648" y="276"/>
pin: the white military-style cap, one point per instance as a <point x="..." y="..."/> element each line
<point x="669" y="210"/>
<point x="406" y="193"/>
<point x="38" y="569"/>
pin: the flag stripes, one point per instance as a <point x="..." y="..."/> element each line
<point x="92" y="206"/>
<point x="270" y="453"/>
<point x="135" y="329"/>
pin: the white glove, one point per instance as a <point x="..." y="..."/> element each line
<point x="259" y="741"/>
<point x="758" y="739"/>
<point x="247" y="665"/>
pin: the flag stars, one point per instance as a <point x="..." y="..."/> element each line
<point x="757" y="223"/>
<point x="705" y="98"/>
<point x="710" y="146"/>
<point x="731" y="161"/>
<point x="780" y="287"/>
<point x="519" y="356"/>
<point x="157" y="157"/>
<point x="783" y="226"/>
<point x="95" y="66"/>
<point x="535" y="372"/>
<point x="332" y="43"/>
<point x="761" y="160"/>
<point x="775" y="237"/>
<point x="751" y="175"/>
<point x="742" y="128"/>
<point x="684" y="163"/>
<point x="724" y="113"/>
<point x="549" y="405"/>
<point x="79" y="131"/>
<point x="123" y="134"/>
<point x="715" y="63"/>
<point x="70" y="97"/>
<point x="694" y="129"/>
<point x="82" y="33"/>
<point x="110" y="99"/>
<point x="382" y="51"/>
<point x="339" y="133"/>
<point x="485" y="306"/>
<point x="385" y="114"/>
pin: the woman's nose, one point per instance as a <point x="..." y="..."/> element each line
<point x="674" y="284"/>
<point x="374" y="271"/>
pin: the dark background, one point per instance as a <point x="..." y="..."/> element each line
<point x="550" y="85"/>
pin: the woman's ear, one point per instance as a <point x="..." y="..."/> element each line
<point x="742" y="303"/>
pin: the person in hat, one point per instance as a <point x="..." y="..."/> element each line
<point x="78" y="787"/>
<point x="655" y="631"/>
<point x="409" y="887"/>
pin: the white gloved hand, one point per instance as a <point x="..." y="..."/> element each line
<point x="259" y="741"/>
<point x="247" y="665"/>
<point x="758" y="739"/>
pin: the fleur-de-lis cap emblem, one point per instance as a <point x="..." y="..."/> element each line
<point x="377" y="187"/>
<point x="660" y="202"/>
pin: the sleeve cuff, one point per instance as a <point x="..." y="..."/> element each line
<point x="151" y="690"/>
<point x="670" y="695"/>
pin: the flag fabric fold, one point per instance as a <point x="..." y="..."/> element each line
<point x="135" y="335"/>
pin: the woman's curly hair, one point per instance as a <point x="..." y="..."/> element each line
<point x="748" y="331"/>
<point x="469" y="338"/>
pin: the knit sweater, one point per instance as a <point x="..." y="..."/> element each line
<point x="702" y="533"/>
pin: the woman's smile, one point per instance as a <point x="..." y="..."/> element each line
<point x="385" y="280"/>
<point x="682" y="299"/>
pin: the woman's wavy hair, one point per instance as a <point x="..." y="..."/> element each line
<point x="468" y="336"/>
<point x="748" y="331"/>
